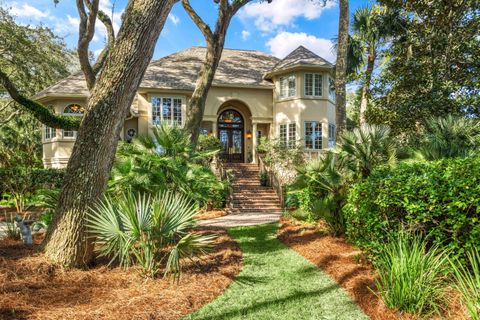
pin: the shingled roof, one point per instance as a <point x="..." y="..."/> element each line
<point x="179" y="71"/>
<point x="299" y="57"/>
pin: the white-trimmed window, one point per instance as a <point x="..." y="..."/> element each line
<point x="313" y="84"/>
<point x="166" y="109"/>
<point x="288" y="86"/>
<point x="331" y="135"/>
<point x="49" y="133"/>
<point x="288" y="134"/>
<point x="73" y="110"/>
<point x="313" y="135"/>
<point x="331" y="89"/>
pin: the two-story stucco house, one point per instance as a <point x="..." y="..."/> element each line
<point x="253" y="95"/>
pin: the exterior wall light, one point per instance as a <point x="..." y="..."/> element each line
<point x="249" y="135"/>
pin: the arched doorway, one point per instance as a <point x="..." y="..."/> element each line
<point x="231" y="134"/>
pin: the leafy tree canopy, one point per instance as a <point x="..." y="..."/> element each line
<point x="433" y="66"/>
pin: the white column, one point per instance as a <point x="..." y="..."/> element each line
<point x="254" y="142"/>
<point x="214" y="128"/>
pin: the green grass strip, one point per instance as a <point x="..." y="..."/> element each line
<point x="277" y="283"/>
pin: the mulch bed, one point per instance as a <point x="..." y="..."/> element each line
<point x="346" y="265"/>
<point x="31" y="288"/>
<point x="211" y="214"/>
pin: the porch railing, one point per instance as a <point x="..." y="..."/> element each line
<point x="273" y="180"/>
<point x="219" y="167"/>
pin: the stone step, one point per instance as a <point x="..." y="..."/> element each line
<point x="234" y="211"/>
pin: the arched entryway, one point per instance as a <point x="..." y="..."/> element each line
<point x="231" y="128"/>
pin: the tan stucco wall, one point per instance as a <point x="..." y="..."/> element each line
<point x="260" y="108"/>
<point x="301" y="108"/>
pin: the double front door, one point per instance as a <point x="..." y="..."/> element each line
<point x="230" y="133"/>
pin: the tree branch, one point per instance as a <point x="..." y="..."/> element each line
<point x="102" y="57"/>
<point x="39" y="111"/>
<point x="85" y="35"/>
<point x="10" y="117"/>
<point x="204" y="28"/>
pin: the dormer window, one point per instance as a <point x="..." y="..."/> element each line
<point x="313" y="84"/>
<point x="288" y="86"/>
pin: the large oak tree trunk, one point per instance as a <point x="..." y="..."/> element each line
<point x="341" y="70"/>
<point x="92" y="157"/>
<point x="366" y="88"/>
<point x="196" y="104"/>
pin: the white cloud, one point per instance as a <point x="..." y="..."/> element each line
<point x="28" y="11"/>
<point x="175" y="20"/>
<point x="285" y="42"/>
<point x="268" y="17"/>
<point x="245" y="35"/>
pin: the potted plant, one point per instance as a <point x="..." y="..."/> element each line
<point x="263" y="179"/>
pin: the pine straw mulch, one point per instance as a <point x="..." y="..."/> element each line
<point x="31" y="288"/>
<point x="211" y="214"/>
<point x="349" y="268"/>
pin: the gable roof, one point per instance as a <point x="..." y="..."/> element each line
<point x="179" y="71"/>
<point x="299" y="57"/>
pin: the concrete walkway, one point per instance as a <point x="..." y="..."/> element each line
<point x="241" y="219"/>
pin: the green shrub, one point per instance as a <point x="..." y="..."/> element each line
<point x="468" y="282"/>
<point x="153" y="232"/>
<point x="20" y="183"/>
<point x="438" y="199"/>
<point x="410" y="277"/>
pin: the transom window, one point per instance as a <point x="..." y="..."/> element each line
<point x="313" y="135"/>
<point x="288" y="134"/>
<point x="288" y="86"/>
<point x="167" y="109"/>
<point x="74" y="110"/>
<point x="49" y="133"/>
<point x="331" y="89"/>
<point x="331" y="135"/>
<point x="313" y="84"/>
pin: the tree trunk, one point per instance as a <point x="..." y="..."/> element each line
<point x="341" y="70"/>
<point x="89" y="167"/>
<point x="366" y="88"/>
<point x="196" y="104"/>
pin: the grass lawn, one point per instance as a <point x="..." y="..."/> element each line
<point x="277" y="283"/>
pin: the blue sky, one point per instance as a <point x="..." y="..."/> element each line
<point x="276" y="28"/>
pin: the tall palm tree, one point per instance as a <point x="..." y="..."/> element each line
<point x="372" y="27"/>
<point x="341" y="69"/>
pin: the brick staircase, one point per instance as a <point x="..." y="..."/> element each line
<point x="248" y="195"/>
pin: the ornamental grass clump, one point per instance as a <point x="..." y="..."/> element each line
<point x="154" y="232"/>
<point x="468" y="282"/>
<point x="410" y="277"/>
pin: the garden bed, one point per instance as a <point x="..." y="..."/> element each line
<point x="346" y="264"/>
<point x="31" y="288"/>
<point x="211" y="214"/>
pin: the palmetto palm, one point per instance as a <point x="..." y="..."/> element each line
<point x="366" y="147"/>
<point x="152" y="231"/>
<point x="163" y="161"/>
<point x="372" y="27"/>
<point x="452" y="136"/>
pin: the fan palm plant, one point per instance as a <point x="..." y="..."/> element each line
<point x="449" y="137"/>
<point x="164" y="161"/>
<point x="366" y="147"/>
<point x="154" y="232"/>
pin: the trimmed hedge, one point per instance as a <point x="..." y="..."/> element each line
<point x="440" y="199"/>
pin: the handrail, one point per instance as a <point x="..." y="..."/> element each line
<point x="273" y="180"/>
<point x="223" y="174"/>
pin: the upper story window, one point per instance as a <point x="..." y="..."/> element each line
<point x="313" y="84"/>
<point x="331" y="135"/>
<point x="313" y="135"/>
<point x="49" y="133"/>
<point x="74" y="110"/>
<point x="331" y="89"/>
<point x="288" y="134"/>
<point x="288" y="86"/>
<point x="166" y="109"/>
